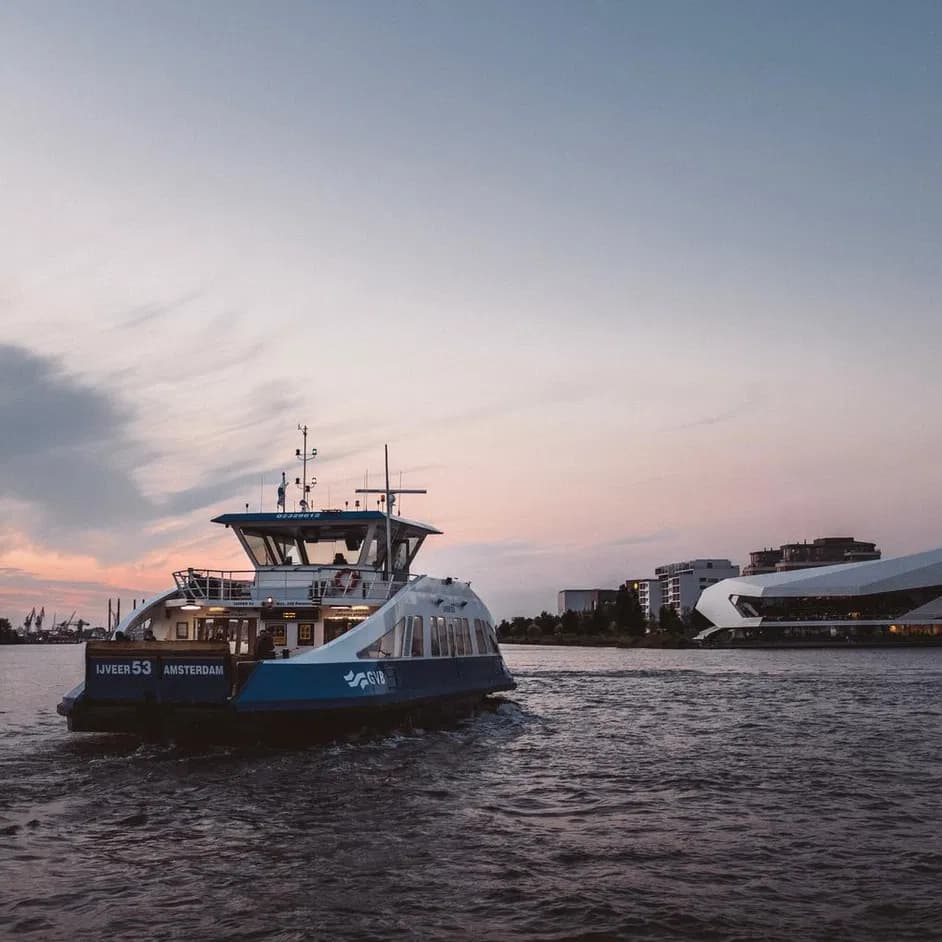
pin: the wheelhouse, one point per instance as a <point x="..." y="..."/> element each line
<point x="356" y="539"/>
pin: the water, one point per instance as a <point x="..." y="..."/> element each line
<point x="616" y="794"/>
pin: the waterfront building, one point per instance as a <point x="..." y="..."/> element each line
<point x="874" y="600"/>
<point x="681" y="583"/>
<point x="583" y="600"/>
<point x="649" y="596"/>
<point x="824" y="551"/>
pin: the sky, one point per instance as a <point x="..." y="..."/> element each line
<point x="620" y="283"/>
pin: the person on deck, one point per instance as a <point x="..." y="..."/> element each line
<point x="264" y="646"/>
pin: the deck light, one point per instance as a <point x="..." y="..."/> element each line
<point x="190" y="607"/>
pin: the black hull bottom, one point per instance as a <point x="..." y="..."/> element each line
<point x="222" y="725"/>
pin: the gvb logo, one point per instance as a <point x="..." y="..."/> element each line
<point x="364" y="679"/>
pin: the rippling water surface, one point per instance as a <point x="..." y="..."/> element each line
<point x="615" y="794"/>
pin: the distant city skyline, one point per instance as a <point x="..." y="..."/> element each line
<point x="620" y="284"/>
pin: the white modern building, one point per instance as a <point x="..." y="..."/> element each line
<point x="681" y="583"/>
<point x="649" y="596"/>
<point x="877" y="600"/>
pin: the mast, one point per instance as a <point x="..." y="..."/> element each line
<point x="388" y="567"/>
<point x="389" y="496"/>
<point x="302" y="455"/>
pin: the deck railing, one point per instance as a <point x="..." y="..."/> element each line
<point x="289" y="585"/>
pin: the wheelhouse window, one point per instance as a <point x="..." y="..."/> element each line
<point x="332" y="546"/>
<point x="465" y="630"/>
<point x="261" y="551"/>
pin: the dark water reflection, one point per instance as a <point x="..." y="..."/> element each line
<point x="626" y="794"/>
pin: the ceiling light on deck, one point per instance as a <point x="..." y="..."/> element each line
<point x="190" y="607"/>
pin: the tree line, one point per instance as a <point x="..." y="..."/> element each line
<point x="7" y="634"/>
<point x="622" y="616"/>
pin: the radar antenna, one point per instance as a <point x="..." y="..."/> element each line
<point x="302" y="482"/>
<point x="389" y="498"/>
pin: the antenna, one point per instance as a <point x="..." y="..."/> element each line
<point x="389" y="498"/>
<point x="302" y="455"/>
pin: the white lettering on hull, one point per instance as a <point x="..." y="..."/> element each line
<point x="193" y="670"/>
<point x="136" y="668"/>
<point x="145" y="668"/>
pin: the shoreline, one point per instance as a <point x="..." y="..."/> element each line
<point x="685" y="643"/>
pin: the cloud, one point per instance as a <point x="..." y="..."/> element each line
<point x="642" y="538"/>
<point x="69" y="453"/>
<point x="754" y="399"/>
<point x="148" y="313"/>
<point x="20" y="591"/>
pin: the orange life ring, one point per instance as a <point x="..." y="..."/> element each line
<point x="350" y="584"/>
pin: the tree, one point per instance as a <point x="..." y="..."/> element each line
<point x="670" y="621"/>
<point x="570" y="622"/>
<point x="628" y="614"/>
<point x="546" y="622"/>
<point x="519" y="626"/>
<point x="597" y="622"/>
<point x="7" y="634"/>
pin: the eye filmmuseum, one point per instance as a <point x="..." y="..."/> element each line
<point x="874" y="601"/>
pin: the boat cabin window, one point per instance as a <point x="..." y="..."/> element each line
<point x="465" y="628"/>
<point x="479" y="636"/>
<point x="418" y="637"/>
<point x="405" y="639"/>
<point x="439" y="637"/>
<point x="261" y="551"/>
<point x="404" y="550"/>
<point x="491" y="637"/>
<point x="389" y="644"/>
<point x="286" y="549"/>
<point x="332" y="546"/>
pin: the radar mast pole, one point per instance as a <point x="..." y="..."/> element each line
<point x="302" y="454"/>
<point x="388" y="566"/>
<point x="389" y="494"/>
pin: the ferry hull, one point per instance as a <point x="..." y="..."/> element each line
<point x="286" y="700"/>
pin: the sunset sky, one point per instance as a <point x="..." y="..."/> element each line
<point x="620" y="283"/>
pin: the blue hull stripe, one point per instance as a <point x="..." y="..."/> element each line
<point x="286" y="685"/>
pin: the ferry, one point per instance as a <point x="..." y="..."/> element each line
<point x="330" y="629"/>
